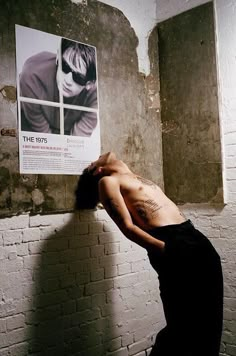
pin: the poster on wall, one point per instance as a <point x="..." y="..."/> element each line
<point x="58" y="111"/>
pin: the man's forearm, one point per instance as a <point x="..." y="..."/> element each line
<point x="142" y="238"/>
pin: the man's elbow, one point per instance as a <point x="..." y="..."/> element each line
<point x="127" y="228"/>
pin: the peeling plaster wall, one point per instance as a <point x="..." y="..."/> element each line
<point x="127" y="98"/>
<point x="145" y="17"/>
<point x="189" y="107"/>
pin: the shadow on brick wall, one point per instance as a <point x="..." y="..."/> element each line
<point x="69" y="314"/>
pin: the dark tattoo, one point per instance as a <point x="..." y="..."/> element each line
<point x="146" y="181"/>
<point x="148" y="209"/>
<point x="112" y="209"/>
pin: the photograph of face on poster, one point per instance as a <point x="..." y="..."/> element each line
<point x="57" y="91"/>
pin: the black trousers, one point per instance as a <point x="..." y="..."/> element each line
<point x="191" y="289"/>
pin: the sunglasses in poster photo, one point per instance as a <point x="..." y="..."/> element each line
<point x="77" y="77"/>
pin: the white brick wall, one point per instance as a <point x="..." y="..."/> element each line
<point x="73" y="282"/>
<point x="94" y="291"/>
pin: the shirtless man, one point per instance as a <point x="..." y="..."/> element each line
<point x="188" y="266"/>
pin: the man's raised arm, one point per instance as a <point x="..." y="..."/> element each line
<point x="113" y="202"/>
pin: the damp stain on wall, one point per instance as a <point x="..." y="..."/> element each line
<point x="128" y="102"/>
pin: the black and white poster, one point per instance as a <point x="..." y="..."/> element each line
<point x="58" y="111"/>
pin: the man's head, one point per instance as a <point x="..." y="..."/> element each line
<point x="78" y="68"/>
<point x="87" y="195"/>
<point x="97" y="167"/>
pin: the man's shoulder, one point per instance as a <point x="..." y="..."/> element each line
<point x="109" y="182"/>
<point x="110" y="179"/>
<point x="43" y="62"/>
<point x="41" y="56"/>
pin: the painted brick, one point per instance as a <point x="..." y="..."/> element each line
<point x="126" y="245"/>
<point x="84" y="303"/>
<point x="2" y="253"/>
<point x="127" y="339"/>
<point x="81" y="228"/>
<point x="83" y="241"/>
<point x="95" y="227"/>
<point x="138" y="346"/>
<point x="48" y="299"/>
<point x="124" y="282"/>
<point x="108" y="237"/>
<point x="102" y="215"/>
<point x="34" y="248"/>
<point x="231" y="186"/>
<point x="113" y="259"/>
<point x="97" y="275"/>
<point x="15" y="322"/>
<point x="113" y="296"/>
<point x="14" y="265"/>
<point x="112" y="248"/>
<point x="20" y="349"/>
<point x="84" y="265"/>
<point x="12" y="237"/>
<point x="98" y="300"/>
<point x="56" y="245"/>
<point x="125" y="268"/>
<point x="230" y="162"/>
<point x="148" y="351"/>
<point x="83" y="277"/>
<point x="14" y="223"/>
<point x="231" y="174"/>
<point x="50" y="285"/>
<point x="85" y="215"/>
<point x="97" y="251"/>
<point x="110" y="226"/>
<point x="4" y="340"/>
<point x="111" y="271"/>
<point x="114" y="344"/>
<point x="231" y="350"/>
<point x="121" y="352"/>
<point x="46" y="220"/>
<point x="97" y="287"/>
<point x="143" y="353"/>
<point x="3" y="325"/>
<point x="33" y="261"/>
<point x="17" y="336"/>
<point x="50" y="258"/>
<point x="31" y="235"/>
<point x="85" y="316"/>
<point x="49" y="232"/>
<point x="67" y="280"/>
<point x="12" y="256"/>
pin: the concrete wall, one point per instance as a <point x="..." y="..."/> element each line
<point x="128" y="100"/>
<point x="70" y="281"/>
<point x="189" y="107"/>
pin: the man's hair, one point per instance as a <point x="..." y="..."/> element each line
<point x="87" y="53"/>
<point x="87" y="195"/>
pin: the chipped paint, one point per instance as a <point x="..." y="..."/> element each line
<point x="8" y="132"/>
<point x="77" y="2"/>
<point x="9" y="93"/>
<point x="37" y="197"/>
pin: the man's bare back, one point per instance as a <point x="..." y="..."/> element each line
<point x="136" y="204"/>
